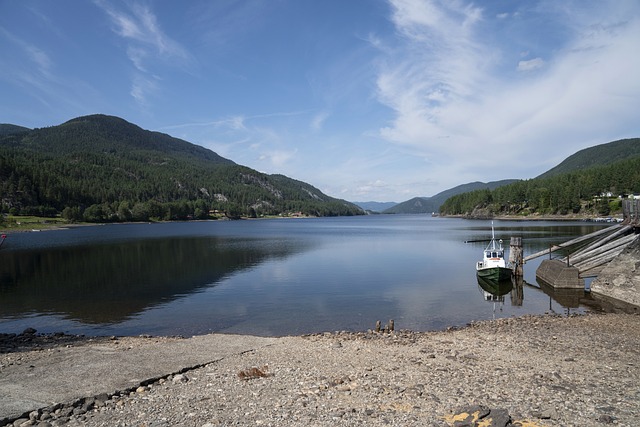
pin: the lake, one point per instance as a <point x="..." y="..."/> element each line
<point x="269" y="277"/>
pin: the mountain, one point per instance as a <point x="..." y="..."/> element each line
<point x="591" y="182"/>
<point x="421" y="205"/>
<point x="599" y="155"/>
<point x="417" y="205"/>
<point x="103" y="168"/>
<point x="8" y="129"/>
<point x="375" y="206"/>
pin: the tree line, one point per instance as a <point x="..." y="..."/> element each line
<point x="595" y="189"/>
<point x="102" y="168"/>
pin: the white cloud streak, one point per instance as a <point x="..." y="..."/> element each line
<point x="530" y="65"/>
<point x="37" y="57"/>
<point x="453" y="106"/>
<point x="259" y="139"/>
<point x="147" y="43"/>
<point x="318" y="120"/>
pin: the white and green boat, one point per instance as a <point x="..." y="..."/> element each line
<point x="493" y="266"/>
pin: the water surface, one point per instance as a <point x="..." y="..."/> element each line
<point x="268" y="277"/>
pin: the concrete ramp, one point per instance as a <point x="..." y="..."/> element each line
<point x="620" y="279"/>
<point x="66" y="374"/>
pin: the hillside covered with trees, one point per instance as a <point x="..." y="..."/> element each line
<point x="102" y="168"/>
<point x="590" y="181"/>
<point x="422" y="205"/>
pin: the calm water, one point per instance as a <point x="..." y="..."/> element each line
<point x="267" y="277"/>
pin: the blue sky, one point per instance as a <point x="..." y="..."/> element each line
<point x="364" y="99"/>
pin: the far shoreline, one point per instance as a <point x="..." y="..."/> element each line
<point x="45" y="225"/>
<point x="58" y="224"/>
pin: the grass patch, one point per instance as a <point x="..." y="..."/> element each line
<point x="26" y="223"/>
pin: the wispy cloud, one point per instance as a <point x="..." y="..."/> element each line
<point x="234" y="122"/>
<point x="30" y="68"/>
<point x="262" y="140"/>
<point x="140" y="25"/>
<point x="142" y="86"/>
<point x="449" y="93"/>
<point x="147" y="43"/>
<point x="530" y="65"/>
<point x="33" y="64"/>
<point x="37" y="57"/>
<point x="278" y="158"/>
<point x="318" y="120"/>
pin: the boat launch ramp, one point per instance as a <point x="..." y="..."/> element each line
<point x="610" y="256"/>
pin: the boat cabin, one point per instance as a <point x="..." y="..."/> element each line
<point x="494" y="254"/>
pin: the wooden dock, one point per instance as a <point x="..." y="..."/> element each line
<point x="591" y="253"/>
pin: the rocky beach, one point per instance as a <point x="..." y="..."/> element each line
<point x="529" y="371"/>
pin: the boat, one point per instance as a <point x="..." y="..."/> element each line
<point x="493" y="266"/>
<point x="494" y="289"/>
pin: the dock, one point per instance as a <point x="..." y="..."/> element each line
<point x="609" y="256"/>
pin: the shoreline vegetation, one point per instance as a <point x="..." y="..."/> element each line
<point x="12" y="223"/>
<point x="33" y="223"/>
<point x="541" y="217"/>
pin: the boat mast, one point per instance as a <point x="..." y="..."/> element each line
<point x="493" y="237"/>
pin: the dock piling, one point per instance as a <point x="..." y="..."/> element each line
<point x="515" y="255"/>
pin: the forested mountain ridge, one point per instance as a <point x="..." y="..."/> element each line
<point x="375" y="207"/>
<point x="421" y="205"/>
<point x="107" y="134"/>
<point x="8" y="129"/>
<point x="103" y="168"/>
<point x="599" y="155"/>
<point x="590" y="182"/>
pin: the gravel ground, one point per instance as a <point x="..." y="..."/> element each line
<point x="528" y="371"/>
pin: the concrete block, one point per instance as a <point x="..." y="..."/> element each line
<point x="557" y="274"/>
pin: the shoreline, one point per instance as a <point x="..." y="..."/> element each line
<point x="559" y="218"/>
<point x="535" y="370"/>
<point x="43" y="226"/>
<point x="547" y="370"/>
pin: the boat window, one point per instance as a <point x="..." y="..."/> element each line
<point x="495" y="255"/>
<point x="500" y="254"/>
<point x="488" y="254"/>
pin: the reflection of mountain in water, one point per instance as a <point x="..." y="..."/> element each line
<point x="111" y="282"/>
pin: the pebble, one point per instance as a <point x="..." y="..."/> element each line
<point x="510" y="371"/>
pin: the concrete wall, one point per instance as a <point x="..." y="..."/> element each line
<point x="558" y="275"/>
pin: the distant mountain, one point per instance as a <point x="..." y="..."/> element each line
<point x="103" y="168"/>
<point x="375" y="206"/>
<point x="591" y="182"/>
<point x="417" y="205"/>
<point x="8" y="129"/>
<point x="599" y="155"/>
<point x="422" y="205"/>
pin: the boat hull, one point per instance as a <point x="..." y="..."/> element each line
<point x="496" y="288"/>
<point x="494" y="273"/>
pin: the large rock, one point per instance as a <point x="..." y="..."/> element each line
<point x="620" y="279"/>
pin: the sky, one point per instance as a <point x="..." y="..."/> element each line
<point x="367" y="100"/>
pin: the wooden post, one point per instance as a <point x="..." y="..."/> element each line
<point x="378" y="326"/>
<point x="391" y="325"/>
<point x="515" y="256"/>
